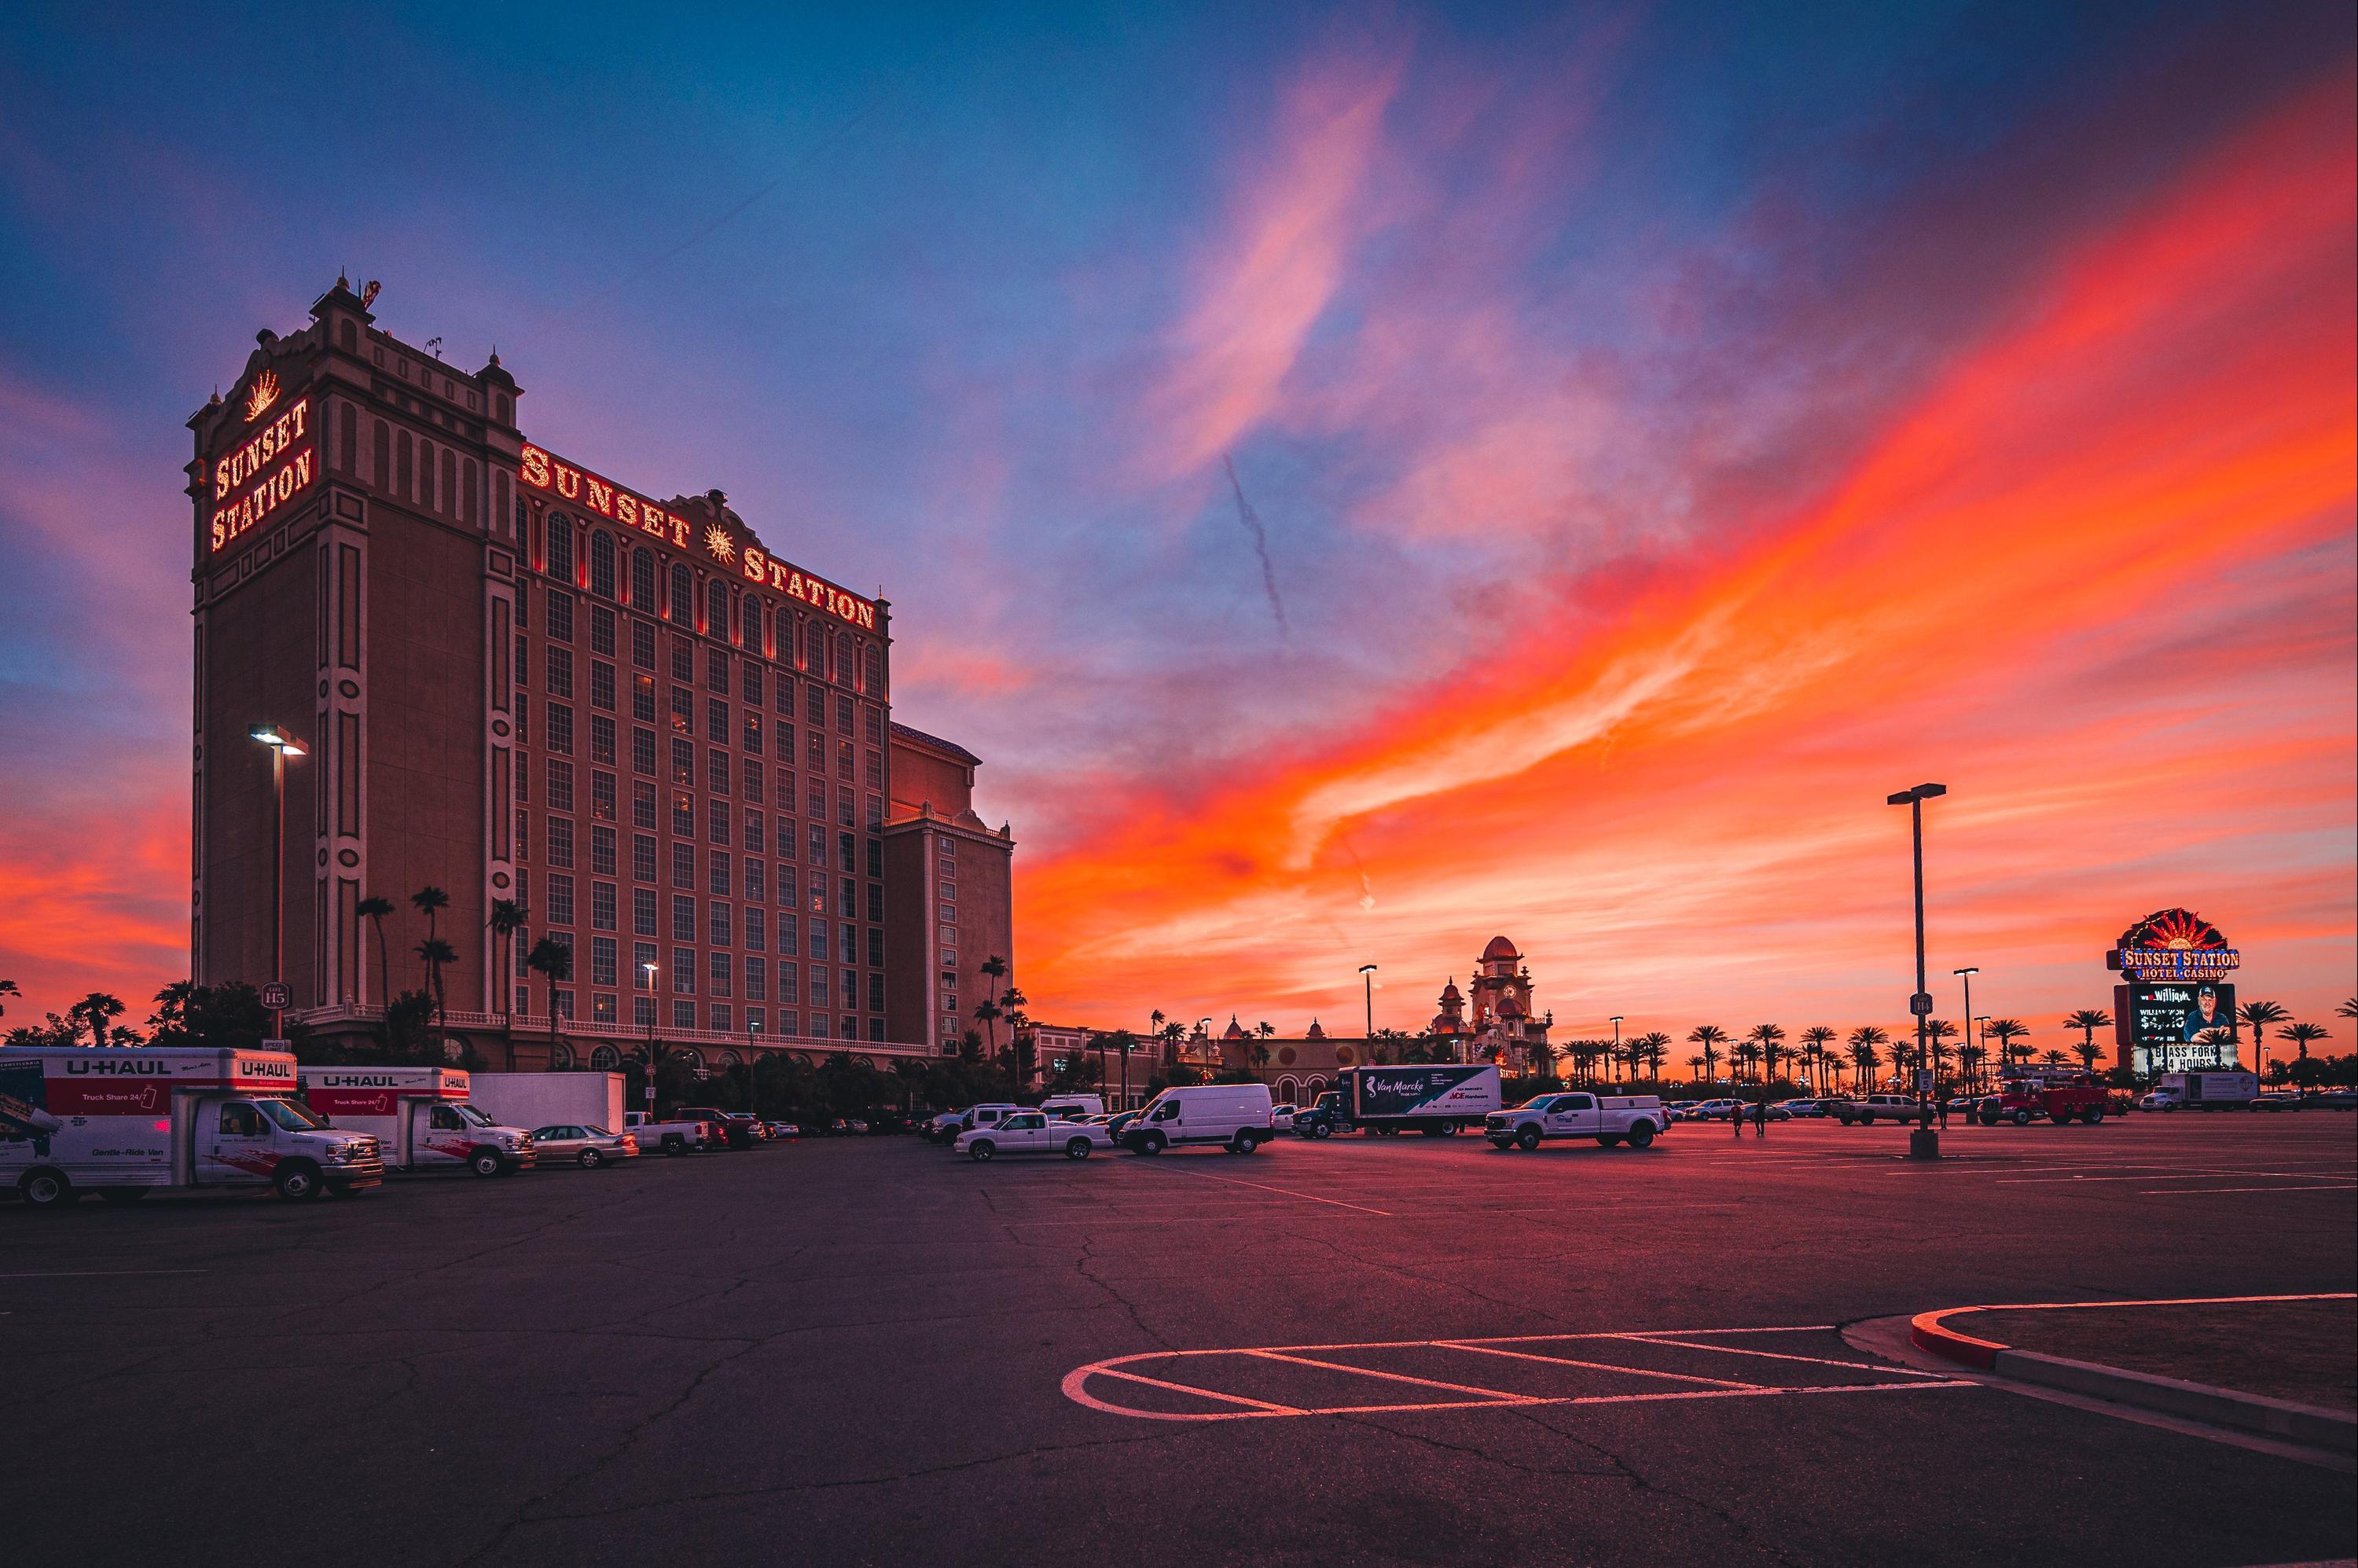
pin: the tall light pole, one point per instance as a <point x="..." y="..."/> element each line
<point x="1204" y="1032"/>
<point x="651" y="970"/>
<point x="1923" y="1144"/>
<point x="1368" y="988"/>
<point x="1610" y="1065"/>
<point x="282" y="746"/>
<point x="1966" y="975"/>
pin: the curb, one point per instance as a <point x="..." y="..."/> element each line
<point x="2308" y="1425"/>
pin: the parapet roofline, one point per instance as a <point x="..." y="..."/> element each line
<point x="948" y="751"/>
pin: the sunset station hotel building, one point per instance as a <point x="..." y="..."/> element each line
<point x="432" y="652"/>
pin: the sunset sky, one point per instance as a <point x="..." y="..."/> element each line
<point x="1364" y="480"/>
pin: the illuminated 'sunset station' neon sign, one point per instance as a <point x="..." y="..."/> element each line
<point x="586" y="490"/>
<point x="264" y="473"/>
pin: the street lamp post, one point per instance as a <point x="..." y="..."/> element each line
<point x="282" y="746"/>
<point x="1923" y="1144"/>
<point x="651" y="970"/>
<point x="1966" y="975"/>
<point x="1204" y="1032"/>
<point x="1611" y="1064"/>
<point x="1368" y="988"/>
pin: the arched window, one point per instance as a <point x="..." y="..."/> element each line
<point x="815" y="650"/>
<point x="347" y="460"/>
<point x="871" y="668"/>
<point x="604" y="1059"/>
<point x="1285" y="1089"/>
<point x="642" y="580"/>
<point x="682" y="610"/>
<point x="751" y="617"/>
<point x="560" y="547"/>
<point x="843" y="658"/>
<point x="561" y="1056"/>
<point x="601" y="563"/>
<point x="730" y="1059"/>
<point x="688" y="1056"/>
<point x="716" y="607"/>
<point x="1316" y="1087"/>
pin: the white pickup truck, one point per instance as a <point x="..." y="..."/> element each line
<point x="667" y="1137"/>
<point x="1871" y="1109"/>
<point x="1034" y="1132"/>
<point x="1608" y="1118"/>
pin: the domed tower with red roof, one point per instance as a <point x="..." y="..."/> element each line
<point x="1503" y="1022"/>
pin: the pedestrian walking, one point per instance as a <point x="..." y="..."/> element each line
<point x="1736" y="1119"/>
<point x="1760" y="1119"/>
<point x="1944" y="1112"/>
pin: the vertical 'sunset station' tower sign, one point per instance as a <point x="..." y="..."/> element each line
<point x="2176" y="1009"/>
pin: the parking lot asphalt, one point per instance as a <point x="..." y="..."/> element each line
<point x="1421" y="1351"/>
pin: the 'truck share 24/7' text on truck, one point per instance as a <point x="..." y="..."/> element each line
<point x="419" y="1115"/>
<point x="123" y="1121"/>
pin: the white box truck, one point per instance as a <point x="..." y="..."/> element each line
<point x="421" y="1117"/>
<point x="2228" y="1090"/>
<point x="1435" y="1100"/>
<point x="127" y="1120"/>
<point x="536" y="1101"/>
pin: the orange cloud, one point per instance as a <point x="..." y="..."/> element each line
<point x="1678" y="802"/>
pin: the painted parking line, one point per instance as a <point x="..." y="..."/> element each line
<point x="2144" y="1176"/>
<point x="1124" y="1370"/>
<point x="104" y="1273"/>
<point x="2304" y="1187"/>
<point x="1282" y="1191"/>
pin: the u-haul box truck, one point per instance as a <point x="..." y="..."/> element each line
<point x="127" y="1120"/>
<point x="419" y="1116"/>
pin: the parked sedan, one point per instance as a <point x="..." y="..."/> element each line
<point x="1034" y="1132"/>
<point x="587" y="1146"/>
<point x="782" y="1129"/>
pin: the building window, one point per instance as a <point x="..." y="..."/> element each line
<point x="716" y="616"/>
<point x="682" y="814"/>
<point x="560" y="671"/>
<point x="716" y="719"/>
<point x="876" y="948"/>
<point x="750" y="771"/>
<point x="751" y="738"/>
<point x="789" y="938"/>
<point x="716" y="765"/>
<point x="871" y="664"/>
<point x="601" y="739"/>
<point x="682" y="970"/>
<point x="642" y="913"/>
<point x="601" y="908"/>
<point x="757" y="886"/>
<point x="789" y="985"/>
<point x="682" y="918"/>
<point x="560" y="728"/>
<point x="642" y="751"/>
<point x="642" y="1015"/>
<point x="818" y="1026"/>
<point x="721" y="974"/>
<point x="681" y="611"/>
<point x="750" y="677"/>
<point x="601" y="851"/>
<point x="601" y="683"/>
<point x="721" y="1020"/>
<point x="757" y="979"/>
<point x="560" y="899"/>
<point x="601" y="633"/>
<point x="645" y="967"/>
<point x="757" y="1021"/>
<point x="602" y="565"/>
<point x="560" y="842"/>
<point x="717" y="869"/>
<point x="560" y="785"/>
<point x="818" y="941"/>
<point x="876" y="993"/>
<point x="815" y="653"/>
<point x="601" y="796"/>
<point x="642" y="804"/>
<point x="683" y="764"/>
<point x="643" y="857"/>
<point x="643" y="697"/>
<point x="560" y="554"/>
<point x="757" y="925"/>
<point x="602" y="1009"/>
<point x="643" y="597"/>
<point x="785" y="697"/>
<point x="786" y="850"/>
<point x="682" y="711"/>
<point x="683" y="1015"/>
<point x="719" y="924"/>
<point x="683" y="865"/>
<point x="818" y="984"/>
<point x="602" y="964"/>
<point x="683" y="657"/>
<point x="563" y="1005"/>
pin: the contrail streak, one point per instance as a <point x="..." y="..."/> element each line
<point x="1251" y="520"/>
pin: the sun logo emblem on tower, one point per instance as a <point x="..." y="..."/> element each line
<point x="264" y="393"/>
<point x="717" y="542"/>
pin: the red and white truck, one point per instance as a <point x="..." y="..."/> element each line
<point x="2062" y="1095"/>
<point x="420" y="1116"/>
<point x="125" y="1120"/>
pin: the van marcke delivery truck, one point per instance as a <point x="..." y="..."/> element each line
<point x="1436" y="1101"/>
<point x="127" y="1120"/>
<point x="420" y="1116"/>
<point x="550" y="1099"/>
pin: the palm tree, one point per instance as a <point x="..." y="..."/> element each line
<point x="553" y="961"/>
<point x="988" y="1014"/>
<point x="9" y="988"/>
<point x="993" y="969"/>
<point x="2345" y="1010"/>
<point x="430" y="902"/>
<point x="373" y="909"/>
<point x="1970" y="1057"/>
<point x="2006" y="1031"/>
<point x="508" y="916"/>
<point x="2259" y="1015"/>
<point x="1768" y="1036"/>
<point x="96" y="1011"/>
<point x="2300" y="1035"/>
<point x="435" y="952"/>
<point x="1710" y="1037"/>
<point x="1814" y="1041"/>
<point x="2087" y="1021"/>
<point x="1695" y="1066"/>
<point x="1864" y="1058"/>
<point x="1657" y="1047"/>
<point x="1938" y="1033"/>
<point x="1747" y="1055"/>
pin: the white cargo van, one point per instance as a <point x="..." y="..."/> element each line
<point x="420" y="1116"/>
<point x="127" y="1120"/>
<point x="1235" y="1116"/>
